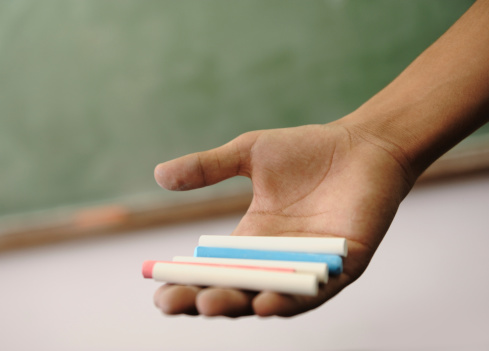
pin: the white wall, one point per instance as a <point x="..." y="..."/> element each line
<point x="427" y="289"/>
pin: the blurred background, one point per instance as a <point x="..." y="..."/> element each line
<point x="94" y="94"/>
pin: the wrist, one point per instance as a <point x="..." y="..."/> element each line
<point x="441" y="98"/>
<point x="419" y="128"/>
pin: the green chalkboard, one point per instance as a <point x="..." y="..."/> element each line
<point x="95" y="93"/>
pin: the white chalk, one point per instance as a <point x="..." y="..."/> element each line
<point x="333" y="246"/>
<point x="320" y="270"/>
<point x="240" y="278"/>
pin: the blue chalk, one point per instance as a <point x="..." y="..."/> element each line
<point x="334" y="262"/>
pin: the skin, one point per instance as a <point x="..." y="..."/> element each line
<point x="346" y="178"/>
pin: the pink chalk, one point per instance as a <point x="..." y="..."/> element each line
<point x="276" y="269"/>
<point x="148" y="268"/>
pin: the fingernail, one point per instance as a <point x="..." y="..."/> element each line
<point x="159" y="175"/>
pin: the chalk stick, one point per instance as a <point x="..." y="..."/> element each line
<point x="320" y="270"/>
<point x="195" y="261"/>
<point x="332" y="246"/>
<point x="334" y="262"/>
<point x="239" y="278"/>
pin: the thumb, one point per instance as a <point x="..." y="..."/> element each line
<point x="208" y="167"/>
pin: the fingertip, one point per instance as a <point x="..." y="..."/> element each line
<point x="224" y="302"/>
<point x="159" y="174"/>
<point x="207" y="303"/>
<point x="269" y="304"/>
<point x="167" y="176"/>
<point x="176" y="299"/>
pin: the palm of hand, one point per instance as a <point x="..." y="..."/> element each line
<point x="307" y="181"/>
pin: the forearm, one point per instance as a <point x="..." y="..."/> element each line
<point x="439" y="99"/>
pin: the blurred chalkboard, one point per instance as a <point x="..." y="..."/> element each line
<point x="95" y="93"/>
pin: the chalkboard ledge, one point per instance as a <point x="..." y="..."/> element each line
<point x="111" y="219"/>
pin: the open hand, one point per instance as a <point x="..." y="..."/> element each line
<point x="315" y="180"/>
